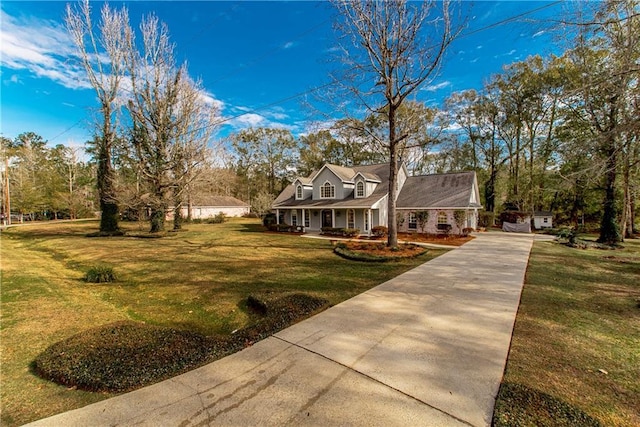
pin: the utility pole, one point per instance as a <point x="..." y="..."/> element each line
<point x="7" y="196"/>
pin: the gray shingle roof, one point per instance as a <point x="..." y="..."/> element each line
<point x="222" y="201"/>
<point x="449" y="190"/>
<point x="379" y="172"/>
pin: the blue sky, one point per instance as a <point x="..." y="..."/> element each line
<point x="252" y="57"/>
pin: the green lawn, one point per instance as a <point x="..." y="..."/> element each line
<point x="193" y="280"/>
<point x="576" y="338"/>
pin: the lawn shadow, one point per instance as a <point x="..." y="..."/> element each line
<point x="253" y="228"/>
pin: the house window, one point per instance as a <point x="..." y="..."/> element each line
<point x="299" y="192"/>
<point x="351" y="218"/>
<point x="413" y="221"/>
<point x="327" y="191"/>
<point x="294" y="218"/>
<point x="442" y="218"/>
<point x="307" y="218"/>
<point x="360" y="189"/>
<point x="366" y="220"/>
<point x="545" y="220"/>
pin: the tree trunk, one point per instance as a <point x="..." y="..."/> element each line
<point x="392" y="240"/>
<point x="609" y="232"/>
<point x="157" y="220"/>
<point x="108" y="204"/>
<point x="177" y="217"/>
<point x="489" y="190"/>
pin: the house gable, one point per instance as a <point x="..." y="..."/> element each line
<point x="336" y="177"/>
<point x="365" y="184"/>
<point x="303" y="189"/>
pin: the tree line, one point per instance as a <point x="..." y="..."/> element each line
<point x="555" y="133"/>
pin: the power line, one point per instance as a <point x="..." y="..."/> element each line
<point x="325" y="85"/>
<point x="510" y="19"/>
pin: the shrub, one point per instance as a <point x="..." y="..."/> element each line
<point x="486" y="219"/>
<point x="269" y="219"/>
<point x="332" y="231"/>
<point x="100" y="274"/>
<point x="423" y="218"/>
<point x="281" y="227"/>
<point x="121" y="356"/>
<point x="351" y="232"/>
<point x="379" y="231"/>
<point x="257" y="305"/>
<point x="519" y="405"/>
<point x="126" y="355"/>
<point x="459" y="216"/>
<point x="466" y="231"/>
<point x="218" y="219"/>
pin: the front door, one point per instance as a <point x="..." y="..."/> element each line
<point x="327" y="218"/>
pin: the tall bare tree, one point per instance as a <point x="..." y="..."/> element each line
<point x="172" y="121"/>
<point x="102" y="53"/>
<point x="391" y="48"/>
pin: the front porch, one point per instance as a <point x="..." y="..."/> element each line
<point x="314" y="220"/>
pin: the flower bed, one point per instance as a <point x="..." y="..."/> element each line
<point x="377" y="252"/>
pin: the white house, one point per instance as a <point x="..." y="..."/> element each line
<point x="208" y="207"/>
<point x="356" y="197"/>
<point x="542" y="219"/>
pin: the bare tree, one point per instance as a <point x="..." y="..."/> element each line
<point x="172" y="121"/>
<point x="102" y="54"/>
<point x="392" y="48"/>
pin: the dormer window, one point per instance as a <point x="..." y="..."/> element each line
<point x="360" y="189"/>
<point x="327" y="191"/>
<point x="299" y="193"/>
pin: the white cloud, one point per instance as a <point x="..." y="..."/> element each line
<point x="288" y="45"/>
<point x="210" y="100"/>
<point x="538" y="34"/>
<point x="41" y="47"/>
<point x="436" y="87"/>
<point x="248" y="120"/>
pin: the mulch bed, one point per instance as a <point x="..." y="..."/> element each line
<point x="426" y="238"/>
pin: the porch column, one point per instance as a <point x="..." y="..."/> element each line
<point x="303" y="223"/>
<point x="333" y="217"/>
<point x="278" y="216"/>
<point x="369" y="221"/>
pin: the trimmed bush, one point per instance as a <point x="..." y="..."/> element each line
<point x="127" y="355"/>
<point x="283" y="228"/>
<point x="466" y="231"/>
<point x="218" y="219"/>
<point x="332" y="231"/>
<point x="379" y="231"/>
<point x="342" y="232"/>
<point x="519" y="405"/>
<point x="122" y="356"/>
<point x="269" y="219"/>
<point x="100" y="274"/>
<point x="351" y="232"/>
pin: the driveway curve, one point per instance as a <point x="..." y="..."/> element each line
<point x="426" y="348"/>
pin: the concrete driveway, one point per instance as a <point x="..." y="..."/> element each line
<point x="427" y="348"/>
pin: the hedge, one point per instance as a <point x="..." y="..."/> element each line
<point x="339" y="231"/>
<point x="123" y="356"/>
